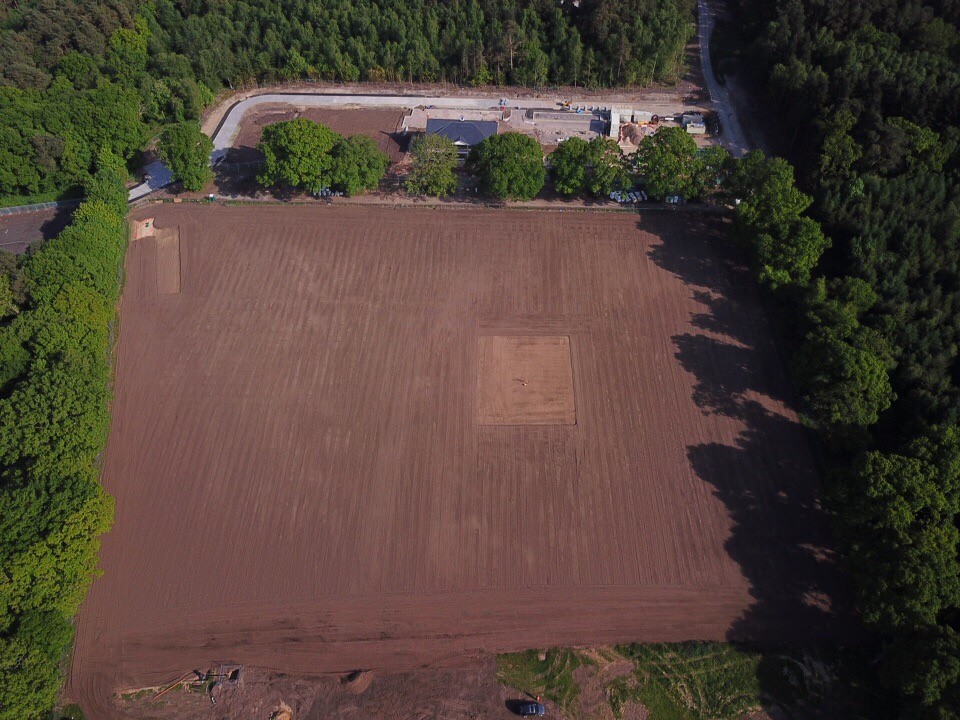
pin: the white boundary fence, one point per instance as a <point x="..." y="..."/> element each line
<point x="17" y="209"/>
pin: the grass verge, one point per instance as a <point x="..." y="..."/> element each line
<point x="703" y="681"/>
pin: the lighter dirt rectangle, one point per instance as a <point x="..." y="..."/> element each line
<point x="525" y="380"/>
<point x="168" y="261"/>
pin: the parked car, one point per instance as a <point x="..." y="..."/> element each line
<point x="532" y="709"/>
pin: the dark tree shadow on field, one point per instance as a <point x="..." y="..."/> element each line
<point x="400" y="139"/>
<point x="730" y="351"/>
<point x="243" y="154"/>
<point x="780" y="534"/>
<point x="61" y="218"/>
<point x="724" y="373"/>
<point x="767" y="477"/>
<point x="236" y="184"/>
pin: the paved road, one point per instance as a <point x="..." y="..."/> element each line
<point x="157" y="175"/>
<point x="230" y="125"/>
<point x="731" y="136"/>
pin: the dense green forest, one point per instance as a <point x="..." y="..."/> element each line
<point x="867" y="100"/>
<point x="54" y="393"/>
<point x="77" y="76"/>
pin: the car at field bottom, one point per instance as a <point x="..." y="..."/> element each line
<point x="532" y="709"/>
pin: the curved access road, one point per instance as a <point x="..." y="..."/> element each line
<point x="732" y="136"/>
<point x="229" y="127"/>
<point x="731" y="132"/>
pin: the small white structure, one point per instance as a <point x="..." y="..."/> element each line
<point x="693" y="123"/>
<point x="615" y="125"/>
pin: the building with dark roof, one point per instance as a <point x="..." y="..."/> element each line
<point x="464" y="133"/>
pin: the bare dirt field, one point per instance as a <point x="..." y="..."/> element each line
<point x="167" y="243"/>
<point x="381" y="125"/>
<point x="17" y="231"/>
<point x="304" y="483"/>
<point x="524" y="381"/>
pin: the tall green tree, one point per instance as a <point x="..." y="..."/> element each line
<point x="510" y="166"/>
<point x="433" y="166"/>
<point x="667" y="162"/>
<point x="186" y="150"/>
<point x="924" y="665"/>
<point x="127" y="54"/>
<point x="358" y="164"/>
<point x="54" y="415"/>
<point x="608" y="168"/>
<point x="107" y="184"/>
<point x="899" y="525"/>
<point x="297" y="153"/>
<point x="568" y="166"/>
<point x="786" y="245"/>
<point x="767" y="193"/>
<point x="786" y="255"/>
<point x="715" y="164"/>
<point x="845" y="378"/>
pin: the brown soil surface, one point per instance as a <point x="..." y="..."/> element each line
<point x="358" y="682"/>
<point x="303" y="486"/>
<point x="381" y="125"/>
<point x="524" y="380"/>
<point x="167" y="260"/>
<point x="469" y="690"/>
<point x="17" y="231"/>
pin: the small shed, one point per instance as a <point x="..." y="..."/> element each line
<point x="642" y="116"/>
<point x="615" y="125"/>
<point x="693" y="123"/>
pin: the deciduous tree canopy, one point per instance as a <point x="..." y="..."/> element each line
<point x="568" y="166"/>
<point x="297" y="153"/>
<point x="667" y="162"/>
<point x="186" y="151"/>
<point x="433" y="166"/>
<point x="866" y="96"/>
<point x="53" y="425"/>
<point x="510" y="166"/>
<point x="358" y="164"/>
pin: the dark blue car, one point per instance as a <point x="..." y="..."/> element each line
<point x="532" y="709"/>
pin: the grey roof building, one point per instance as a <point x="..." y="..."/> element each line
<point x="464" y="133"/>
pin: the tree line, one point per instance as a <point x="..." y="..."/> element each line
<point x="80" y="76"/>
<point x="58" y="306"/>
<point x="867" y="98"/>
<point x="509" y="166"/>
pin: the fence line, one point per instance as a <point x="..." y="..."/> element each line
<point x="17" y="209"/>
<point x="226" y="167"/>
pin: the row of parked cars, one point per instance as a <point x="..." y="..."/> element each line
<point x="633" y="196"/>
<point x="327" y="192"/>
<point x="628" y="196"/>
